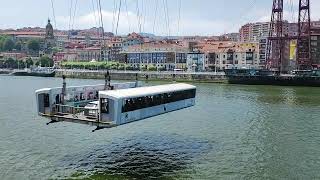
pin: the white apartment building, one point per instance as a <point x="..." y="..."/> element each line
<point x="196" y="62"/>
<point x="254" y="32"/>
<point x="245" y="55"/>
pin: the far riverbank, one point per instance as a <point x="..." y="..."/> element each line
<point x="198" y="77"/>
<point x="207" y="77"/>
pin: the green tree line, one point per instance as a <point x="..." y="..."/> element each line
<point x="8" y="44"/>
<point x="14" y="64"/>
<point x="107" y="65"/>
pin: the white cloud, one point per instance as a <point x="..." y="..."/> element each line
<point x="291" y="9"/>
<point x="92" y="20"/>
<point x="128" y="22"/>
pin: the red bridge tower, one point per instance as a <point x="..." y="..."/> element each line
<point x="304" y="36"/>
<point x="275" y="39"/>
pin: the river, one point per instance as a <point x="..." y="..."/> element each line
<point x="233" y="132"/>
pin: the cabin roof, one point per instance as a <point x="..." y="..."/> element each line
<point x="69" y="88"/>
<point x="146" y="91"/>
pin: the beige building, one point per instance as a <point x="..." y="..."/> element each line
<point x="222" y="55"/>
<point x="162" y="55"/>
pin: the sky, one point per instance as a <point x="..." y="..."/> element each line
<point x="196" y="17"/>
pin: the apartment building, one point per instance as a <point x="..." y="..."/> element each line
<point x="164" y="56"/>
<point x="253" y="32"/>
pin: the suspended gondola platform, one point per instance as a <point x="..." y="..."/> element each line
<point x="111" y="105"/>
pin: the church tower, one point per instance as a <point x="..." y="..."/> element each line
<point x="49" y="38"/>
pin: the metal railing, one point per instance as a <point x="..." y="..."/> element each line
<point x="66" y="109"/>
<point x="60" y="109"/>
<point x="141" y="72"/>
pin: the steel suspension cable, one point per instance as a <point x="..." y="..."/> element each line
<point x="138" y="16"/>
<point x="179" y="17"/>
<point x="155" y="17"/>
<point x="114" y="11"/>
<point x="54" y="14"/>
<point x="128" y="17"/>
<point x="70" y="17"/>
<point x="74" y="13"/>
<point x="243" y="14"/>
<point x="94" y="12"/>
<point x="118" y="17"/>
<point x="101" y="21"/>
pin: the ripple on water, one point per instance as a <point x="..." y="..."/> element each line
<point x="137" y="158"/>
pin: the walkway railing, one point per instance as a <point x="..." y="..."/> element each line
<point x="141" y="72"/>
<point x="60" y="109"/>
<point x="66" y="109"/>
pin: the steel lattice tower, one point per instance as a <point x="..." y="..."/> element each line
<point x="304" y="35"/>
<point x="275" y="39"/>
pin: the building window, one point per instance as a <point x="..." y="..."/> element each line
<point x="314" y="38"/>
<point x="313" y="43"/>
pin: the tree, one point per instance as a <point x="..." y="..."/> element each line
<point x="18" y="46"/>
<point x="33" y="45"/>
<point x="152" y="68"/>
<point x="11" y="63"/>
<point x="2" y="65"/>
<point x="55" y="50"/>
<point x="21" y="64"/>
<point x="8" y="44"/>
<point x="29" y="62"/>
<point x="2" y="39"/>
<point x="121" y="67"/>
<point x="45" y="61"/>
<point x="143" y="67"/>
<point x="162" y="69"/>
<point x="1" y="44"/>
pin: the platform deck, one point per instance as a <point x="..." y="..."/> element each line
<point x="80" y="119"/>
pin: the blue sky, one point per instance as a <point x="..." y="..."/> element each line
<point x="197" y="17"/>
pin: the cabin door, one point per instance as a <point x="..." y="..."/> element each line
<point x="43" y="103"/>
<point x="106" y="114"/>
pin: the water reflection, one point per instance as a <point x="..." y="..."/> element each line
<point x="292" y="96"/>
<point x="253" y="132"/>
<point x="138" y="158"/>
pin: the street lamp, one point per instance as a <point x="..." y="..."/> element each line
<point x="215" y="65"/>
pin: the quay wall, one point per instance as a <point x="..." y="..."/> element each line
<point x="5" y="71"/>
<point x="285" y="80"/>
<point x="313" y="81"/>
<point x="205" y="77"/>
<point x="144" y="76"/>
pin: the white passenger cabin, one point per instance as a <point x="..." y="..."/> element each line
<point x="127" y="105"/>
<point x="76" y="96"/>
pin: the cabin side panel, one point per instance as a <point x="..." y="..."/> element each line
<point x="107" y="110"/>
<point x="132" y="116"/>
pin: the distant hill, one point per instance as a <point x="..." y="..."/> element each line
<point x="147" y="35"/>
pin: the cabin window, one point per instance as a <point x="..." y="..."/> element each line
<point x="82" y="97"/>
<point x="57" y="99"/>
<point x="104" y="106"/>
<point x="133" y="104"/>
<point x="46" y="100"/>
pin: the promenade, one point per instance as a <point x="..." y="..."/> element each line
<point x="213" y="77"/>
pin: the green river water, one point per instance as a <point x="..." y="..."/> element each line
<point x="233" y="132"/>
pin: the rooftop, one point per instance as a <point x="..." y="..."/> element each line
<point x="16" y="33"/>
<point x="147" y="91"/>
